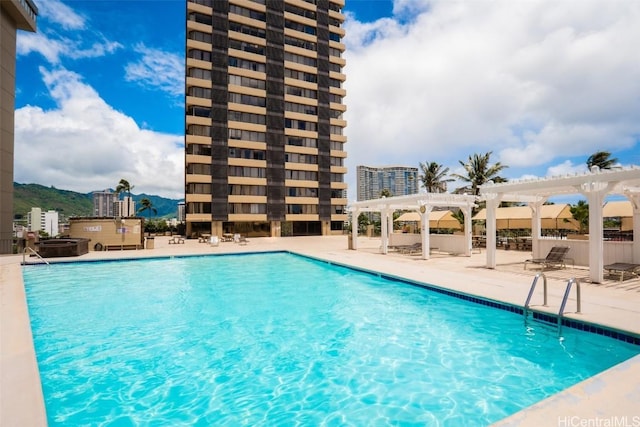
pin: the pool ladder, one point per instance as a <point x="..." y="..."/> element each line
<point x="567" y="291"/>
<point x="28" y="249"/>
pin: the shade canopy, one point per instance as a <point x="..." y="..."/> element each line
<point x="552" y="217"/>
<point x="620" y="209"/>
<point x="437" y="219"/>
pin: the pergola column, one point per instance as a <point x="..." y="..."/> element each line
<point x="354" y="229"/>
<point x="468" y="229"/>
<point x="634" y="198"/>
<point x="595" y="193"/>
<point x="536" y="227"/>
<point x="425" y="210"/>
<point x="384" y="230"/>
<point x="493" y="201"/>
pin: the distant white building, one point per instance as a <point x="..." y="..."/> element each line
<point x="43" y="221"/>
<point x="181" y="212"/>
<point x="124" y="208"/>
<point x="398" y="180"/>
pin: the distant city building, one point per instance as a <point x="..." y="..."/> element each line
<point x="398" y="180"/>
<point x="47" y="222"/>
<point x="14" y="15"/>
<point x="181" y="212"/>
<point x="34" y="219"/>
<point x="124" y="208"/>
<point x="103" y="203"/>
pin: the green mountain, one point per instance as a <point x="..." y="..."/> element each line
<point x="70" y="204"/>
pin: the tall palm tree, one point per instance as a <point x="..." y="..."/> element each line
<point x="479" y="170"/>
<point x="124" y="187"/>
<point x="433" y="177"/>
<point x="146" y="205"/>
<point x="602" y="159"/>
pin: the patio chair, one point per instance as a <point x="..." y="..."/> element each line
<point x="556" y="257"/>
<point x="410" y="249"/>
<point x="622" y="268"/>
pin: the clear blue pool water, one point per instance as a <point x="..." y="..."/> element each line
<point x="282" y="340"/>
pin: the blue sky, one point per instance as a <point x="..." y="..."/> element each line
<point x="540" y="84"/>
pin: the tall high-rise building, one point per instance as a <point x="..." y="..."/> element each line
<point x="264" y="144"/>
<point x="14" y="15"/>
<point x="397" y="180"/>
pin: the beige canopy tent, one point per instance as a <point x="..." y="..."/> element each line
<point x="552" y="217"/>
<point x="620" y="209"/>
<point x="437" y="219"/>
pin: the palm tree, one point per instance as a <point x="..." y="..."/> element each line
<point x="146" y="205"/>
<point x="602" y="159"/>
<point x="124" y="186"/>
<point x="479" y="171"/>
<point x="580" y="213"/>
<point x="433" y="177"/>
<point x="385" y="193"/>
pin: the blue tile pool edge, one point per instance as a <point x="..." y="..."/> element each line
<point x="543" y="317"/>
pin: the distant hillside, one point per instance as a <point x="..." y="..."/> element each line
<point x="70" y="203"/>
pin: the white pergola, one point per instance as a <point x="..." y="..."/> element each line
<point x="594" y="185"/>
<point x="422" y="203"/>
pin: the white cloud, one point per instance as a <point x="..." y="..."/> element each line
<point x="157" y="69"/>
<point x="57" y="12"/>
<point x="54" y="48"/>
<point x="535" y="82"/>
<point x="83" y="144"/>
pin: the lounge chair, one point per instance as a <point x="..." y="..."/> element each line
<point x="243" y="240"/>
<point x="556" y="257"/>
<point x="410" y="249"/>
<point x="622" y="268"/>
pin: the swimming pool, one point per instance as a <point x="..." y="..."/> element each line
<point x="279" y="339"/>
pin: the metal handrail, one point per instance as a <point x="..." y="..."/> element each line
<point x="35" y="253"/>
<point x="533" y="286"/>
<point x="566" y="297"/>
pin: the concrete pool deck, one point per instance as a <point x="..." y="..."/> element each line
<point x="611" y="396"/>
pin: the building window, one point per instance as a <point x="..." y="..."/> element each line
<point x="301" y="158"/>
<point x="301" y="108"/>
<point x="249" y="13"/>
<point x="248" y="208"/>
<point x="300" y="175"/>
<point x="247" y="29"/>
<point x="302" y="209"/>
<point x="304" y="44"/>
<point x="198" y="149"/>
<point x="246" y="64"/>
<point x="302" y="142"/>
<point x="246" y="47"/>
<point x="199" y="73"/>
<point x="198" y="188"/>
<point x="237" y="116"/>
<point x="256" y="101"/>
<point x="247" y="172"/>
<point x="199" y="92"/>
<point x="200" y="55"/>
<point x="245" y="153"/>
<point x="247" y="135"/>
<point x="199" y="130"/>
<point x="300" y="125"/>
<point x="247" y="190"/>
<point x="299" y="91"/>
<point x="302" y="192"/>
<point x="303" y="28"/>
<point x="199" y="111"/>
<point x="247" y="82"/>
<point x="200" y="36"/>
<point x="300" y="75"/>
<point x="199" y="169"/>
<point x="200" y="18"/>
<point x="198" y="208"/>
<point x="300" y="59"/>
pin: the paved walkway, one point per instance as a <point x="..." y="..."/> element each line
<point x="613" y="304"/>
